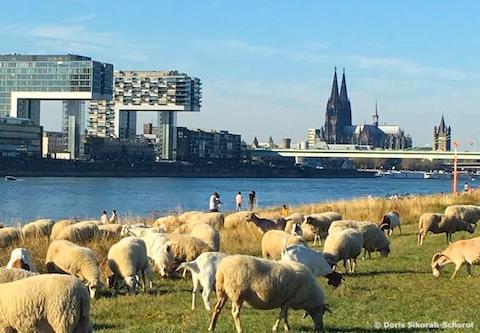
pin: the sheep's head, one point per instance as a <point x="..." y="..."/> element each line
<point x="308" y="220"/>
<point x="471" y="227"/>
<point x="385" y="251"/>
<point x="334" y="279"/>
<point x="92" y="287"/>
<point x="164" y="260"/>
<point x="437" y="264"/>
<point x="250" y="216"/>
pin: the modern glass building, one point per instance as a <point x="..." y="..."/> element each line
<point x="50" y="77"/>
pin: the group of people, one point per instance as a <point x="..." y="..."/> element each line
<point x="215" y="202"/>
<point x="104" y="219"/>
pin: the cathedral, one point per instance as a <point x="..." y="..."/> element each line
<point x="442" y="136"/>
<point x="338" y="127"/>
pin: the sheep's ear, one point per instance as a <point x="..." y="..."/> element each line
<point x="436" y="256"/>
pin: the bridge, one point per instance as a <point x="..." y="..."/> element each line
<point x="379" y="154"/>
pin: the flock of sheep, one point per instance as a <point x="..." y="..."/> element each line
<point x="285" y="278"/>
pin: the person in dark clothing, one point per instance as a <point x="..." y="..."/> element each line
<point x="252" y="200"/>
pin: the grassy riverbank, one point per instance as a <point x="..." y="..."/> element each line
<point x="398" y="289"/>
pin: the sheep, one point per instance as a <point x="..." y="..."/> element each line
<point x="266" y="224"/>
<point x="296" y="230"/>
<point x="137" y="231"/>
<point x="467" y="213"/>
<point x="80" y="232"/>
<point x="373" y="238"/>
<point x="314" y="260"/>
<point x="187" y="215"/>
<point x="58" y="227"/>
<point x="295" y="218"/>
<point x="389" y="222"/>
<point x="344" y="245"/>
<point x="186" y="247"/>
<point x="109" y="231"/>
<point x="273" y="240"/>
<point x="215" y="220"/>
<point x="438" y="223"/>
<point x="169" y="223"/>
<point x="20" y="258"/>
<point x="459" y="252"/>
<point x="14" y="274"/>
<point x="320" y="224"/>
<point x="264" y="284"/>
<point x="9" y="236"/>
<point x="207" y="234"/>
<point x="203" y="271"/>
<point x="125" y="259"/>
<point x="235" y="220"/>
<point x="68" y="258"/>
<point x="45" y="303"/>
<point x="158" y="250"/>
<point x="39" y="228"/>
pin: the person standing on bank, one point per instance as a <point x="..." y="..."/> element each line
<point x="104" y="218"/>
<point x="252" y="200"/>
<point x="114" y="217"/>
<point x="238" y="201"/>
<point x="214" y="202"/>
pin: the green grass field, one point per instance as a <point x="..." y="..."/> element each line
<point x="396" y="289"/>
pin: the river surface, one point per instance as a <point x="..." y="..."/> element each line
<point x="44" y="197"/>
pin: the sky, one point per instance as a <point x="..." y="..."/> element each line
<point x="267" y="66"/>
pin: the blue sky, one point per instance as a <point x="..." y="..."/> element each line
<point x="267" y="66"/>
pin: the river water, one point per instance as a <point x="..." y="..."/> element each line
<point x="56" y="198"/>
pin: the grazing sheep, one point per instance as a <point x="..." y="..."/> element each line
<point x="125" y="259"/>
<point x="265" y="284"/>
<point x="295" y="218"/>
<point x="58" y="227"/>
<point x="68" y="258"/>
<point x="314" y="260"/>
<point x="296" y="230"/>
<point x="207" y="234"/>
<point x="9" y="236"/>
<point x="168" y="223"/>
<point x="186" y="247"/>
<point x="187" y="215"/>
<point x="459" y="252"/>
<point x="158" y="250"/>
<point x="140" y="231"/>
<point x="20" y="258"/>
<point x="273" y="240"/>
<point x="203" y="271"/>
<point x="389" y="222"/>
<point x="467" y="213"/>
<point x="14" y="274"/>
<point x="438" y="223"/>
<point x="39" y="228"/>
<point x="80" y="232"/>
<point x="215" y="220"/>
<point x="308" y="232"/>
<point x="234" y="220"/>
<point x="45" y="303"/>
<point x="344" y="245"/>
<point x="320" y="224"/>
<point x="266" y="224"/>
<point x="373" y="238"/>
<point x="109" y="231"/>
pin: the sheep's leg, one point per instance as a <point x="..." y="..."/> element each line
<point x="469" y="269"/>
<point x="207" y="289"/>
<point x="390" y="232"/>
<point x="446" y="234"/>
<point x="236" y="315"/>
<point x="457" y="268"/>
<point x="400" y="229"/>
<point x="345" y="265"/>
<point x="315" y="239"/>
<point x="218" y="309"/>
<point x="283" y="315"/>
<point x="353" y="263"/>
<point x="194" y="290"/>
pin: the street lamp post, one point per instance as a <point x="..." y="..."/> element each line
<point x="455" y="160"/>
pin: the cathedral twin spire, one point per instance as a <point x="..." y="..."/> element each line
<point x="343" y="88"/>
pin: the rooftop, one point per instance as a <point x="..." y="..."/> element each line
<point x="43" y="57"/>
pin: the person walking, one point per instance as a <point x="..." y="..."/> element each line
<point x="238" y="201"/>
<point x="114" y="217"/>
<point x="214" y="202"/>
<point x="252" y="200"/>
<point x="104" y="218"/>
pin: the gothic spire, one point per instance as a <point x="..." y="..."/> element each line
<point x="334" y="94"/>
<point x="375" y="116"/>
<point x="343" y="89"/>
<point x="442" y="123"/>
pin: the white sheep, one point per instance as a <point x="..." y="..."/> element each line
<point x="265" y="284"/>
<point x="140" y="231"/>
<point x="234" y="220"/>
<point x="20" y="258"/>
<point x="39" y="228"/>
<point x="389" y="222"/>
<point x="45" y="303"/>
<point x="273" y="240"/>
<point x="467" y="213"/>
<point x="314" y="260"/>
<point x="439" y="223"/>
<point x="345" y="245"/>
<point x="320" y="223"/>
<point x="158" y="250"/>
<point x="9" y="236"/>
<point x="109" y="231"/>
<point x="459" y="252"/>
<point x="80" y="232"/>
<point x="14" y="274"/>
<point x="125" y="259"/>
<point x="68" y="258"/>
<point x="186" y="247"/>
<point x="373" y="238"/>
<point x="215" y="220"/>
<point x="58" y="227"/>
<point x="169" y="223"/>
<point x="203" y="271"/>
<point x="208" y="234"/>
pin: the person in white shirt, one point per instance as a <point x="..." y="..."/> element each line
<point x="104" y="218"/>
<point x="238" y="201"/>
<point x="214" y="202"/>
<point x="114" y="217"/>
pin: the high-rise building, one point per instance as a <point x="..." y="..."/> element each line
<point x="442" y="136"/>
<point x="25" y="80"/>
<point x="101" y="119"/>
<point x="20" y="137"/>
<point x="127" y="125"/>
<point x="74" y="111"/>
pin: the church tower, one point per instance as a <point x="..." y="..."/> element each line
<point x="375" y="116"/>
<point x="345" y="107"/>
<point x="442" y="137"/>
